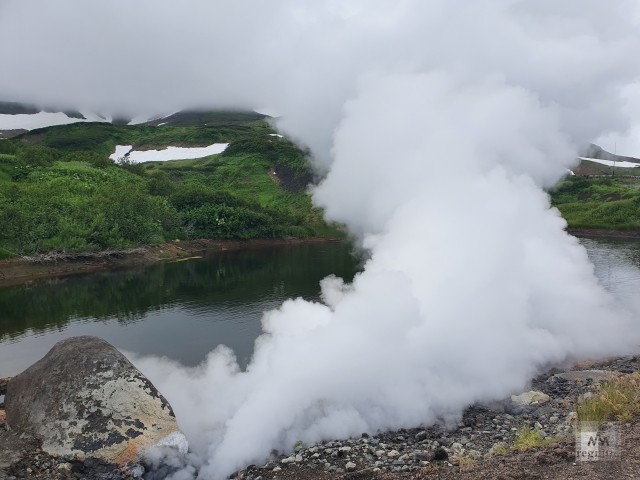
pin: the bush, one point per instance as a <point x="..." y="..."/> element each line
<point x="222" y="221"/>
<point x="37" y="156"/>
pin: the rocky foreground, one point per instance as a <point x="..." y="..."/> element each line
<point x="486" y="444"/>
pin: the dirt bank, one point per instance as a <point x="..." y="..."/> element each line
<point x="20" y="270"/>
<point x="614" y="234"/>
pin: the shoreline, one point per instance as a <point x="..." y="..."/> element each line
<point x="20" y="270"/>
<point x="599" y="233"/>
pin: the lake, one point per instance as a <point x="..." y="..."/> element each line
<point x="183" y="310"/>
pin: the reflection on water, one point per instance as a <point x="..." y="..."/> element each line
<point x="181" y="310"/>
<point x="617" y="266"/>
<point x="184" y="310"/>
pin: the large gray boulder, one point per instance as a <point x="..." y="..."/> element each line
<point x="85" y="399"/>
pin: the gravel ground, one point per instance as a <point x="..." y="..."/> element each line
<point x="476" y="448"/>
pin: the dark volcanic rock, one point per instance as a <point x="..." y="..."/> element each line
<point x="85" y="399"/>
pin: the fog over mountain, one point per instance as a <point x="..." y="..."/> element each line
<point x="437" y="124"/>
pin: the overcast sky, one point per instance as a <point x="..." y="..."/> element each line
<point x="160" y="55"/>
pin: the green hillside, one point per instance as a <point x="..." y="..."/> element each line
<point x="60" y="192"/>
<point x="599" y="203"/>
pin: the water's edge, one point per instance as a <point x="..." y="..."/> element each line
<point x="20" y="270"/>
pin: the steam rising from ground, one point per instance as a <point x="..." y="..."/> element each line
<point x="438" y="123"/>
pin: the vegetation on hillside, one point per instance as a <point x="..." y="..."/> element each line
<point x="59" y="191"/>
<point x="599" y="203"/>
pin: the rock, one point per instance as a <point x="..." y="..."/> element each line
<point x="64" y="467"/>
<point x="421" y="455"/>
<point x="582" y="376"/>
<point x="421" y="436"/>
<point x="393" y="454"/>
<point x="440" y="454"/>
<point x="137" y="471"/>
<point x="457" y="447"/>
<point x="84" y="399"/>
<point x="530" y="398"/>
<point x="3" y="418"/>
<point x="4" y="381"/>
<point x="350" y="466"/>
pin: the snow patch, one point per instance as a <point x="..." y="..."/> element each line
<point x="121" y="151"/>
<point x="611" y="163"/>
<point x="169" y="153"/>
<point x="25" y="121"/>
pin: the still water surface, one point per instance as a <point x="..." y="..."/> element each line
<point x="184" y="310"/>
<point x="181" y="310"/>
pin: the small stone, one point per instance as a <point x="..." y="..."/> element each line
<point x="350" y="466"/>
<point x="137" y="471"/>
<point x="380" y="453"/>
<point x="344" y="449"/>
<point x="393" y="454"/>
<point x="421" y="435"/>
<point x="457" y="447"/>
<point x="64" y="467"/>
<point x="421" y="455"/>
<point x="298" y="458"/>
<point x="276" y="469"/>
<point x="287" y="460"/>
<point x="530" y="398"/>
<point x="440" y="454"/>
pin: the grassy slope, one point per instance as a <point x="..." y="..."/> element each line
<point x="59" y="191"/>
<point x="599" y="203"/>
<point x="103" y="137"/>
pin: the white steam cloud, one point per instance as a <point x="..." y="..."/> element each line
<point x="438" y="124"/>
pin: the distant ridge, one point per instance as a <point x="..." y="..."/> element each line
<point x="16" y="118"/>
<point x="595" y="151"/>
<point x="208" y="117"/>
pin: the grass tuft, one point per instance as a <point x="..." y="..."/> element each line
<point x="618" y="400"/>
<point x="528" y="438"/>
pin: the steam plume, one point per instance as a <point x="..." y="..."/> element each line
<point x="438" y="124"/>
